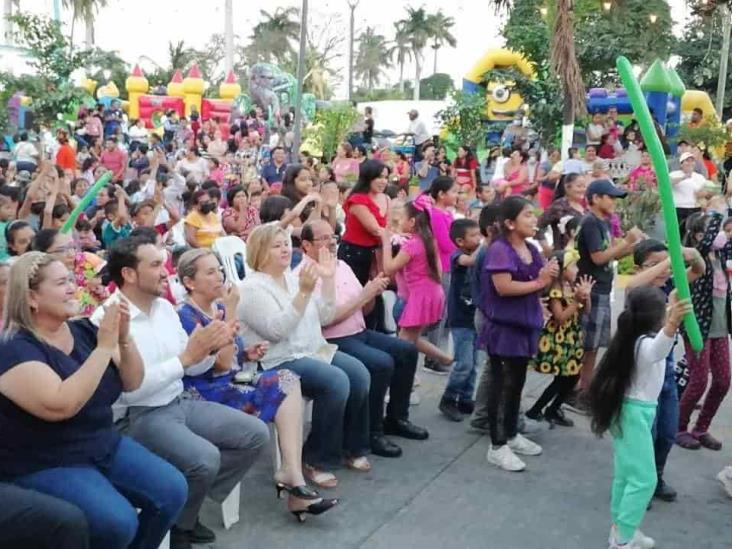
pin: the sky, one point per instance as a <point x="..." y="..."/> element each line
<point x="136" y="28"/>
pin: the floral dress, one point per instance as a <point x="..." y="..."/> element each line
<point x="560" y="346"/>
<point x="90" y="292"/>
<point x="260" y="398"/>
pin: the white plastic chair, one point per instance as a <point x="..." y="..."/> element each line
<point x="389" y="298"/>
<point x="228" y="247"/>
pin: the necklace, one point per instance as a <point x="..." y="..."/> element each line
<point x="207" y="314"/>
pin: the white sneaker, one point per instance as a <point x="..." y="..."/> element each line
<point x="504" y="458"/>
<point x="523" y="446"/>
<point x="414" y="399"/>
<point x="639" y="541"/>
<point x="725" y="477"/>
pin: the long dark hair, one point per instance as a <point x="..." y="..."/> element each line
<point x="367" y="172"/>
<point x="643" y="315"/>
<point x="423" y="229"/>
<point x="288" y="183"/>
<point x="465" y="162"/>
<point x="696" y="223"/>
<point x="440" y="184"/>
<point x="510" y="210"/>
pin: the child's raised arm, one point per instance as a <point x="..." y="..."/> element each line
<point x="392" y="264"/>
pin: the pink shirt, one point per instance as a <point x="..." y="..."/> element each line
<point x="347" y="288"/>
<point x="114" y="160"/>
<point x="441" y="221"/>
<point x="342" y="167"/>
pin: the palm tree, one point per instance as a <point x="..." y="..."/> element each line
<point x="272" y="38"/>
<point x="440" y="30"/>
<point x="401" y="50"/>
<point x="417" y="27"/>
<point x="86" y="10"/>
<point x="370" y="64"/>
<point x="564" y="65"/>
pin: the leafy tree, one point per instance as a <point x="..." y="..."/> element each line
<point x="380" y="94"/>
<point x="331" y="127"/>
<point x="101" y="60"/>
<point x="699" y="49"/>
<point x="50" y="55"/>
<point x="272" y="38"/>
<point x="370" y="63"/>
<point x="436" y="86"/>
<point x="463" y="118"/>
<point x="86" y="10"/>
<point x="400" y="50"/>
<point x="418" y="28"/>
<point x="440" y="25"/>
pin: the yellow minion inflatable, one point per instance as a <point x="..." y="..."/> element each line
<point x="502" y="102"/>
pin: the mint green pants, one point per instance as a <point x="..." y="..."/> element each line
<point x="635" y="468"/>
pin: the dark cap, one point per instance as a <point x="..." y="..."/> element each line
<point x="606" y="187"/>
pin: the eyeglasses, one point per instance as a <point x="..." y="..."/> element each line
<point x="328" y="237"/>
<point x="68" y="250"/>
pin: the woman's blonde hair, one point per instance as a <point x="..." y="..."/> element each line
<point x="187" y="264"/>
<point x="260" y="242"/>
<point x="26" y="274"/>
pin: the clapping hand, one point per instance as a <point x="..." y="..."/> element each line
<point x="257" y="351"/>
<point x="109" y="328"/>
<point x="308" y="277"/>
<point x="326" y="266"/>
<point x="549" y="272"/>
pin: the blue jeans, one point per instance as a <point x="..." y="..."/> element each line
<point x="391" y="362"/>
<point x="340" y="407"/>
<point x="109" y="492"/>
<point x="461" y="383"/>
<point x="667" y="417"/>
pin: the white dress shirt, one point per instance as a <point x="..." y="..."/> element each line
<point x="160" y="338"/>
<point x="419" y="130"/>
<point x="684" y="188"/>
<point x="266" y="314"/>
<point x="650" y="367"/>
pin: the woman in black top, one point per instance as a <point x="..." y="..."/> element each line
<point x="58" y="381"/>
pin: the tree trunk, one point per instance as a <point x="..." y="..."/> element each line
<point x="229" y="34"/>
<point x="401" y="77"/>
<point x="434" y="68"/>
<point x="417" y="75"/>
<point x="567" y="126"/>
<point x="7" y="26"/>
<point x="89" y="32"/>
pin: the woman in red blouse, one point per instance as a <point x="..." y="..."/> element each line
<point x="464" y="167"/>
<point x="240" y="218"/>
<point x="366" y="211"/>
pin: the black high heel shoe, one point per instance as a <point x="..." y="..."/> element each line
<point x="306" y="493"/>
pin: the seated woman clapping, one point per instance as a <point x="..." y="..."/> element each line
<point x="271" y="396"/>
<point x="58" y="381"/>
<point x="280" y="308"/>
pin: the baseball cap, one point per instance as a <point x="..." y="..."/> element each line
<point x="606" y="187"/>
<point x="685" y="156"/>
<point x="413" y="111"/>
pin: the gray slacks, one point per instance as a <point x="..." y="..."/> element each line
<point x="211" y="444"/>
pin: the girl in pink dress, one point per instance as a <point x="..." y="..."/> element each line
<point x="419" y="285"/>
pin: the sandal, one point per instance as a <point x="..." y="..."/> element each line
<point x="321" y="479"/>
<point x="709" y="442"/>
<point x="360" y="464"/>
<point x="688" y="441"/>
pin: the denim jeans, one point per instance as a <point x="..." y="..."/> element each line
<point x="31" y="519"/>
<point x="340" y="407"/>
<point x="391" y="362"/>
<point x="667" y="417"/>
<point x="461" y="383"/>
<point x="109" y="493"/>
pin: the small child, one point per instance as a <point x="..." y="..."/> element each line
<point x="421" y="297"/>
<point x="560" y="345"/>
<point x="458" y="396"/>
<point x="623" y="398"/>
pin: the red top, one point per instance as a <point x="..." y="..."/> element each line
<point x="66" y="157"/>
<point x="355" y="232"/>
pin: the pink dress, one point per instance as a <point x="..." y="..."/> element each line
<point x="424" y="296"/>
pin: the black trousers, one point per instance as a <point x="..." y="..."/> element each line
<point x="32" y="520"/>
<point x="391" y="362"/>
<point x="508" y="375"/>
<point x="556" y="393"/>
<point x="682" y="215"/>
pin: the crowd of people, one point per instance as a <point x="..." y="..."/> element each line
<point x="136" y="380"/>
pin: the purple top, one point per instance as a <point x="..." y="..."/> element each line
<point x="513" y="324"/>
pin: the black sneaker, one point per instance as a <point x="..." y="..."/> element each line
<point x="579" y="405"/>
<point x="201" y="534"/>
<point x="557" y="417"/>
<point x="180" y="539"/>
<point x="664" y="492"/>
<point x="434" y="367"/>
<point x="449" y="407"/>
<point x="536" y="416"/>
<point x="466" y="406"/>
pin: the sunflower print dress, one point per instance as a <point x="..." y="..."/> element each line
<point x="560" y="346"/>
